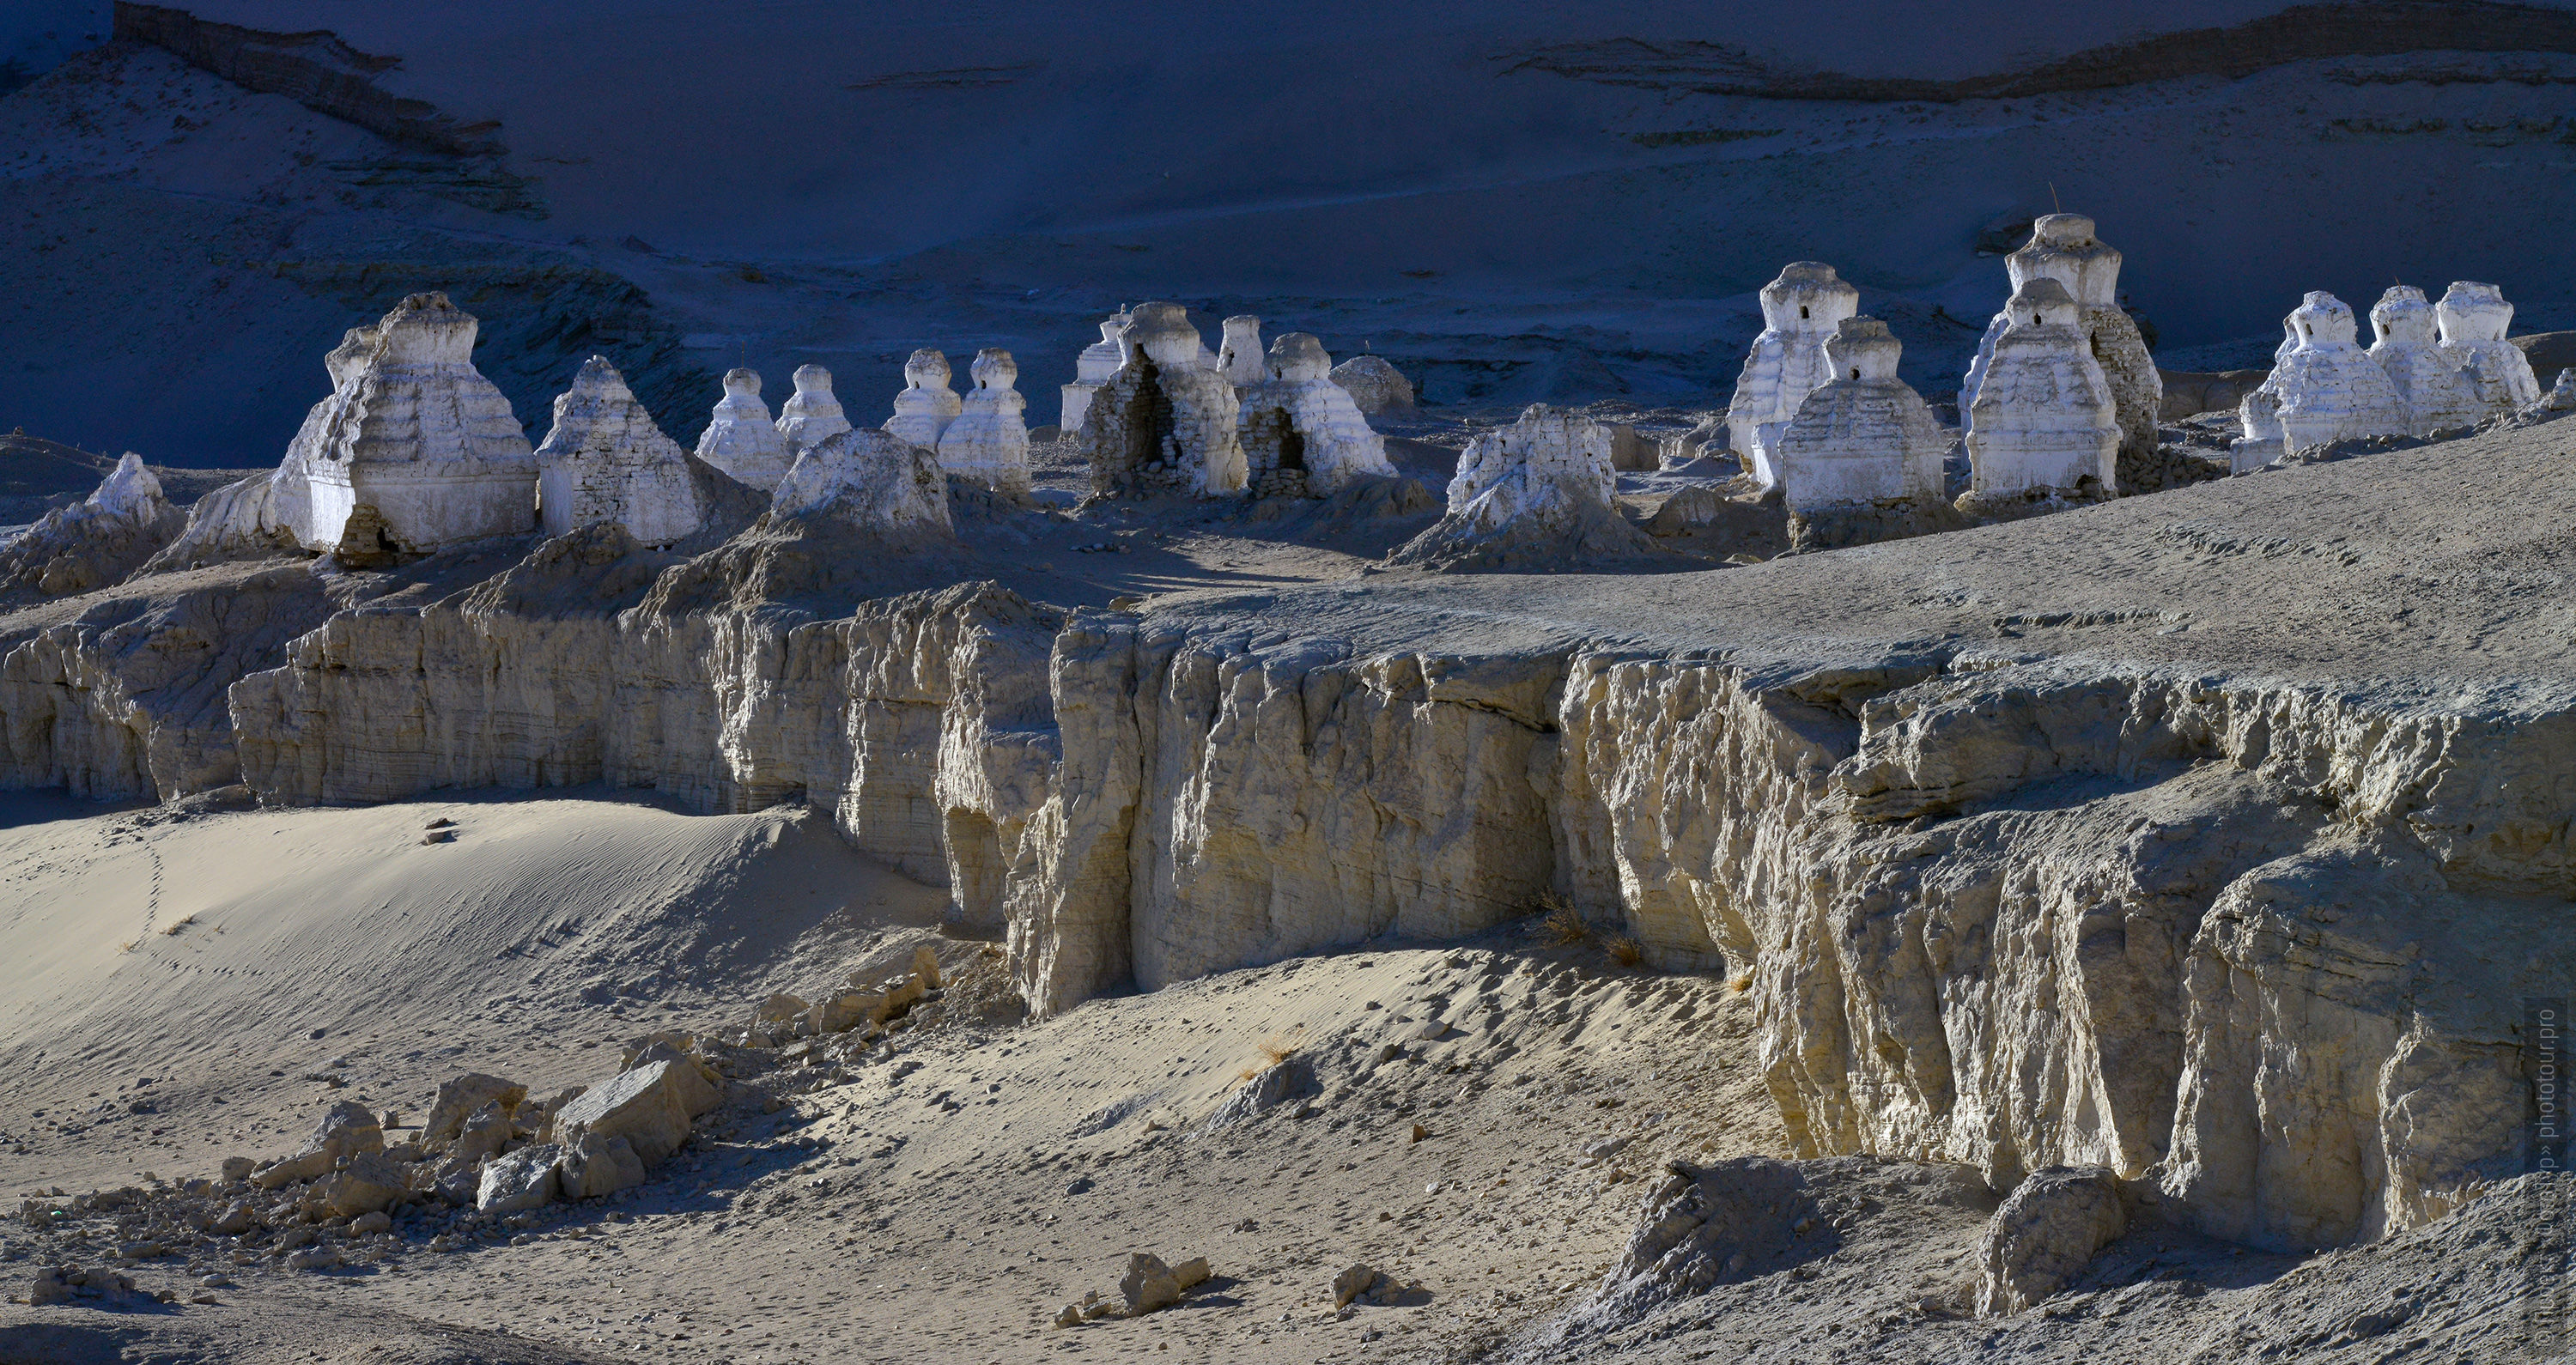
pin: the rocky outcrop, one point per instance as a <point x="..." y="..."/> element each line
<point x="1376" y="386"/>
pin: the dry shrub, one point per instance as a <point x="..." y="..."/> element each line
<point x="1564" y="925"/>
<point x="1625" y="951"/>
<point x="178" y="924"/>
<point x="1741" y="982"/>
<point x="1275" y="1050"/>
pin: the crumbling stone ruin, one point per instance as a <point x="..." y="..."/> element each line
<point x="1534" y="496"/>
<point x="1862" y="459"/>
<point x="2433" y="387"/>
<point x="1302" y="434"/>
<point x="1164" y="421"/>
<point x="605" y="461"/>
<point x="872" y="482"/>
<point x="927" y="405"/>
<point x="811" y="415"/>
<point x="413" y="451"/>
<point x="2326" y="388"/>
<point x="1799" y="310"/>
<point x="2473" y="320"/>
<point x="1091" y="369"/>
<point x="2043" y="424"/>
<point x="1377" y="386"/>
<point x="1239" y="356"/>
<point x="96" y="541"/>
<point x="740" y="438"/>
<point x="989" y="440"/>
<point x="2063" y="248"/>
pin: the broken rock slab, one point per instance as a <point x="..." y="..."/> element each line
<point x="458" y="1097"/>
<point x="524" y="1179"/>
<point x="595" y="1165"/>
<point x="643" y="1106"/>
<point x="1150" y="1284"/>
<point x="346" y="1130"/>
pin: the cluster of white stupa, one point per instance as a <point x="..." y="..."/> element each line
<point x="2063" y="387"/>
<point x="2430" y="367"/>
<point x="415" y="450"/>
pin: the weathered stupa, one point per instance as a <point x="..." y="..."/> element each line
<point x="1534" y="496"/>
<point x="989" y="441"/>
<point x="1799" y="310"/>
<point x="927" y="405"/>
<point x="741" y="440"/>
<point x="1302" y="434"/>
<point x="2043" y="423"/>
<point x="1164" y="420"/>
<point x="1862" y="459"/>
<point x="605" y="461"/>
<point x="2063" y="248"/>
<point x="1377" y="386"/>
<point x="872" y="482"/>
<point x="1239" y="357"/>
<point x="2436" y="392"/>
<point x="811" y="415"/>
<point x="2328" y="388"/>
<point x="96" y="541"/>
<point x="1091" y="369"/>
<point x="2473" y="320"/>
<point x="413" y="451"/>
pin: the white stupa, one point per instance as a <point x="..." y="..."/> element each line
<point x="1091" y="369"/>
<point x="2431" y="384"/>
<point x="605" y="461"/>
<point x="2328" y="388"/>
<point x="927" y="405"/>
<point x="811" y="415"/>
<point x="2064" y="247"/>
<point x="989" y="441"/>
<point x="413" y="451"/>
<point x="1799" y="310"/>
<point x="741" y="440"/>
<point x="2043" y="418"/>
<point x="1865" y="436"/>
<point x="1301" y="432"/>
<point x="2473" y="320"/>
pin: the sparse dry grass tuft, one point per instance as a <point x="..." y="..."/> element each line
<point x="1740" y="982"/>
<point x="178" y="924"/>
<point x="1625" y="951"/>
<point x="1564" y="925"/>
<point x="1275" y="1051"/>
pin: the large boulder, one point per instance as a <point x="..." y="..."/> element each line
<point x="700" y="1087"/>
<point x="643" y="1106"/>
<point x="370" y="1181"/>
<point x="594" y="1166"/>
<point x="346" y="1130"/>
<point x="2047" y="1229"/>
<point x="1375" y="386"/>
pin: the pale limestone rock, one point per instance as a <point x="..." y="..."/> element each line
<point x="873" y="482"/>
<point x="700" y="1087"/>
<point x="1091" y="369"/>
<point x="1165" y="420"/>
<point x="124" y="522"/>
<point x="2328" y="388"/>
<point x="369" y="1181"/>
<point x="413" y="451"/>
<point x="2047" y="1229"/>
<point x="2043" y="419"/>
<point x="1864" y="436"/>
<point x="1239" y="356"/>
<point x="346" y="1129"/>
<point x="520" y="1180"/>
<point x="1799" y="310"/>
<point x="740" y="438"/>
<point x="811" y="415"/>
<point x="1150" y="1284"/>
<point x="605" y="461"/>
<point x="2431" y="385"/>
<point x="989" y="440"/>
<point x="1302" y="434"/>
<point x="2473" y="320"/>
<point x="484" y="1132"/>
<point x="925" y="407"/>
<point x="595" y="1166"/>
<point x="460" y="1096"/>
<point x="2063" y="248"/>
<point x="1535" y="494"/>
<point x="643" y="1106"/>
<point x="1375" y="385"/>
